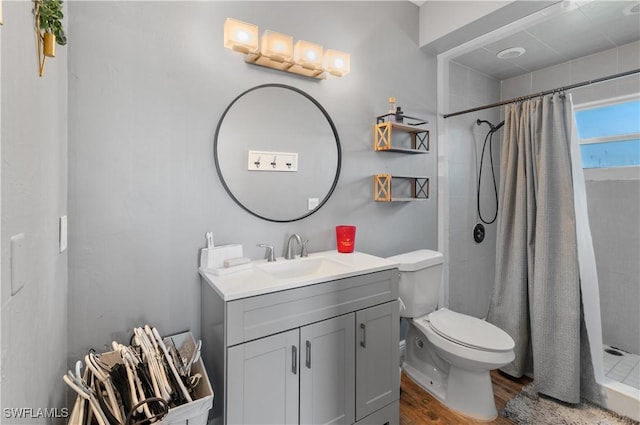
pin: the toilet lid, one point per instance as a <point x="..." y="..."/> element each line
<point x="469" y="331"/>
<point x="417" y="260"/>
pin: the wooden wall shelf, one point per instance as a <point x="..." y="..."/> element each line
<point x="413" y="188"/>
<point x="383" y="133"/>
<point x="382" y="188"/>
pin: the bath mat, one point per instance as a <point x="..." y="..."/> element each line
<point x="528" y="408"/>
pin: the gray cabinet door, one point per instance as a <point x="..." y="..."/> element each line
<point x="327" y="371"/>
<point x="263" y="380"/>
<point x="377" y="358"/>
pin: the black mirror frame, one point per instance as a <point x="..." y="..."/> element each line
<point x="333" y="129"/>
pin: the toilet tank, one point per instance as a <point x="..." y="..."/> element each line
<point x="420" y="278"/>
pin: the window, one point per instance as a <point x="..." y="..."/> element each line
<point x="610" y="133"/>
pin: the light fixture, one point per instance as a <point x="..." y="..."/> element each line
<point x="307" y="59"/>
<point x="277" y="51"/>
<point x="511" y="53"/>
<point x="337" y="63"/>
<point x="308" y="55"/>
<point x="276" y="46"/>
<point x="240" y="36"/>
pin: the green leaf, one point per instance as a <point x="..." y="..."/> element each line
<point x="50" y="19"/>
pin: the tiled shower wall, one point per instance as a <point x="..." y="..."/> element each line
<point x="614" y="211"/>
<point x="614" y="204"/>
<point x="471" y="265"/>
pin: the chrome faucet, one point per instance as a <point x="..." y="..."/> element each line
<point x="289" y="254"/>
<point x="269" y="254"/>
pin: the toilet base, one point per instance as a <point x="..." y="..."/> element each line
<point x="471" y="393"/>
<point x="468" y="393"/>
<point x="427" y="383"/>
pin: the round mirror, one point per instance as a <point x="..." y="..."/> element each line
<point x="277" y="152"/>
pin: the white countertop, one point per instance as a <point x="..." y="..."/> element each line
<point x="255" y="281"/>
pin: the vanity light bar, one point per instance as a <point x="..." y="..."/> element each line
<point x="277" y="51"/>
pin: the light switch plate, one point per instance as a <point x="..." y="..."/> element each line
<point x="63" y="233"/>
<point x="18" y="263"/>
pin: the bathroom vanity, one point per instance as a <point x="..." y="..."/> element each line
<point x="311" y="340"/>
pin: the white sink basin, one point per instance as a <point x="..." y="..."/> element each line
<point x="262" y="277"/>
<point x="303" y="267"/>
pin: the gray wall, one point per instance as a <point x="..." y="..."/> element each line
<point x="148" y="82"/>
<point x="34" y="196"/>
<point x="614" y="205"/>
<point x="471" y="265"/>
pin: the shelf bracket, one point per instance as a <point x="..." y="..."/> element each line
<point x="421" y="188"/>
<point x="382" y="187"/>
<point x="382" y="136"/>
<point x="423" y="139"/>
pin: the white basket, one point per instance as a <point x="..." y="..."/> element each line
<point x="195" y="412"/>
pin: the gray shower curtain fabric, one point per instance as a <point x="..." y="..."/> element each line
<point x="536" y="296"/>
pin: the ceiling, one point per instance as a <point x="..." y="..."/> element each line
<point x="571" y="33"/>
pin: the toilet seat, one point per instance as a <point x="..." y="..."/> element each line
<point x="468" y="331"/>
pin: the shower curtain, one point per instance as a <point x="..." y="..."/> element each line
<point x="537" y="296"/>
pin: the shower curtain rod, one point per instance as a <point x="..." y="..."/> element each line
<point x="543" y="93"/>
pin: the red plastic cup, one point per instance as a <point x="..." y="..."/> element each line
<point x="346" y="238"/>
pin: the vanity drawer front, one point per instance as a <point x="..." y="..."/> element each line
<point x="259" y="316"/>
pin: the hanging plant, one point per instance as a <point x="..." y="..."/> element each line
<point x="49" y="29"/>
<point x="50" y="21"/>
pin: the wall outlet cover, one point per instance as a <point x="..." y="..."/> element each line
<point x="312" y="203"/>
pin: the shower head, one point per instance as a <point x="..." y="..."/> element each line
<point x="494" y="128"/>
<point x="480" y="122"/>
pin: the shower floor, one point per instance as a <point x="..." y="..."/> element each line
<point x="623" y="368"/>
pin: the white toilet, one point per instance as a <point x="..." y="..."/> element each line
<point x="447" y="353"/>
